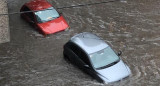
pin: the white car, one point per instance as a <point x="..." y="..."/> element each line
<point x="95" y="57"/>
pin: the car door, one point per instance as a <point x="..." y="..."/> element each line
<point x="27" y="14"/>
<point x="71" y="51"/>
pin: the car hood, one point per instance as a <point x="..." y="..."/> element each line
<point x="115" y="72"/>
<point x="53" y="26"/>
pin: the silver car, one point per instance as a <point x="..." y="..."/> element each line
<point x="95" y="57"/>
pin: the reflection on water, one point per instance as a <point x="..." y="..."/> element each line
<point x="131" y="26"/>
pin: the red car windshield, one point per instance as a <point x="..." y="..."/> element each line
<point x="46" y="15"/>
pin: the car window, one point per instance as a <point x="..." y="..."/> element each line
<point x="82" y="55"/>
<point x="28" y="13"/>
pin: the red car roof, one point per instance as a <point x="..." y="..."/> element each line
<point x="38" y="4"/>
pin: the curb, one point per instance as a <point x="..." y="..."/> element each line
<point x="4" y="22"/>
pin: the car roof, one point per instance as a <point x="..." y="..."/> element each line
<point x="38" y="4"/>
<point x="89" y="42"/>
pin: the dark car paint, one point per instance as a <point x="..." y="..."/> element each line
<point x="75" y="59"/>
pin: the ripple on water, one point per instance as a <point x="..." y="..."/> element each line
<point x="136" y="74"/>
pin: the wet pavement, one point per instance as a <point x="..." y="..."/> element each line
<point x="130" y="26"/>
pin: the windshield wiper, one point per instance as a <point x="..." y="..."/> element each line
<point x="108" y="65"/>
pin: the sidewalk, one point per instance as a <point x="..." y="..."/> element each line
<point x="4" y="22"/>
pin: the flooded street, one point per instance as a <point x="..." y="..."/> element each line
<point x="132" y="26"/>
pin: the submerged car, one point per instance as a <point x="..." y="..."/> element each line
<point x="95" y="57"/>
<point x="42" y="15"/>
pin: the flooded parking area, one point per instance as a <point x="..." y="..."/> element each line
<point x="131" y="26"/>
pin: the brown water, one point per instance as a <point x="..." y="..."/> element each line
<point x="131" y="26"/>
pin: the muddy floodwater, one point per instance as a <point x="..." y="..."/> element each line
<point x="132" y="26"/>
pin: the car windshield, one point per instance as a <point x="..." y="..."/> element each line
<point x="104" y="58"/>
<point x="46" y="15"/>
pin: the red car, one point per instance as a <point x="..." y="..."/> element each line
<point x="41" y="14"/>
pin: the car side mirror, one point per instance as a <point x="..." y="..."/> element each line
<point x="119" y="53"/>
<point x="60" y="13"/>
